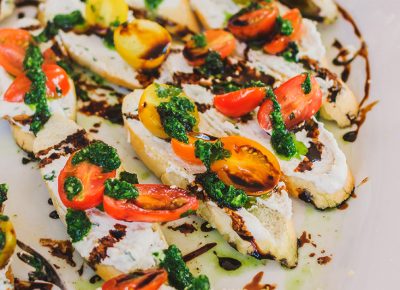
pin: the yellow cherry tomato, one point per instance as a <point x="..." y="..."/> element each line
<point x="7" y="241"/>
<point x="148" y="104"/>
<point x="103" y="13"/>
<point x="251" y="167"/>
<point x="143" y="44"/>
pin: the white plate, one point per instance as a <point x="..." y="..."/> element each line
<point x="363" y="240"/>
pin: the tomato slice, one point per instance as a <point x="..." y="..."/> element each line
<point x="217" y="40"/>
<point x="296" y="106"/>
<point x="280" y="42"/>
<point x="151" y="279"/>
<point x="57" y="84"/>
<point x="13" y="44"/>
<point x="155" y="203"/>
<point x="238" y="103"/>
<point x="186" y="151"/>
<point x="92" y="178"/>
<point x="255" y="24"/>
<point x="251" y="167"/>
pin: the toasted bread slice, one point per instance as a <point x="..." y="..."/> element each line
<point x="324" y="11"/>
<point x="136" y="242"/>
<point x="6" y="8"/>
<point x="178" y="11"/>
<point x="322" y="177"/>
<point x="264" y="230"/>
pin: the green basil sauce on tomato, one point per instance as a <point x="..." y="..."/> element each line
<point x="283" y="142"/>
<point x="119" y="189"/>
<point x="36" y="96"/>
<point x="72" y="187"/>
<point x="78" y="224"/>
<point x="176" y="113"/>
<point x="218" y="191"/>
<point x="100" y="154"/>
<point x="179" y="275"/>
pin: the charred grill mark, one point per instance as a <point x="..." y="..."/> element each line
<point x="305" y="196"/>
<point x="102" y="109"/>
<point x="71" y="144"/>
<point x="146" y="78"/>
<point x="99" y="253"/>
<point x="132" y="116"/>
<point x="60" y="249"/>
<point x="314" y="154"/>
<point x="202" y="108"/>
<point x="157" y="50"/>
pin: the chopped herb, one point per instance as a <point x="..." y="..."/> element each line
<point x="179" y="275"/>
<point x="152" y="4"/>
<point x="100" y="154"/>
<point x="306" y="86"/>
<point x="292" y="116"/>
<point x="97" y="79"/>
<point x="3" y="193"/>
<point x="119" y="189"/>
<point x="129" y="177"/>
<point x="291" y="52"/>
<point x="165" y="92"/>
<point x="81" y="93"/>
<point x="72" y="187"/>
<point x="213" y="64"/>
<point x="176" y="113"/>
<point x="226" y="87"/>
<point x="285" y="26"/>
<point x="199" y="40"/>
<point x="255" y="84"/>
<point x="37" y="92"/>
<point x="60" y="21"/>
<point x="209" y="152"/>
<point x="78" y="224"/>
<point x="50" y="176"/>
<point x="108" y="39"/>
<point x="4" y="218"/>
<point x="222" y="194"/>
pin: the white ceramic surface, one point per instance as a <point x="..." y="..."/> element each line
<point x="364" y="240"/>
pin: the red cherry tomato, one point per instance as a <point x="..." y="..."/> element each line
<point x="92" y="178"/>
<point x="238" y="103"/>
<point x="139" y="280"/>
<point x="217" y="40"/>
<point x="13" y="44"/>
<point x="296" y="106"/>
<point x="155" y="203"/>
<point x="57" y="84"/>
<point x="255" y="24"/>
<point x="280" y="42"/>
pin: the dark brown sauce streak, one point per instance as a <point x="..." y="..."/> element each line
<point x="200" y="251"/>
<point x="362" y="52"/>
<point x="255" y="283"/>
<point x="50" y="273"/>
<point x="60" y="249"/>
<point x="324" y="260"/>
<point x="206" y="228"/>
<point x="54" y="215"/>
<point x="185" y="228"/>
<point x="228" y="263"/>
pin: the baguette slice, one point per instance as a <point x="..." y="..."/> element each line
<point x="19" y="114"/>
<point x="132" y="248"/>
<point x="325" y="11"/>
<point x="6" y="8"/>
<point x="178" y="11"/>
<point x="339" y="105"/>
<point x="323" y="178"/>
<point x="264" y="230"/>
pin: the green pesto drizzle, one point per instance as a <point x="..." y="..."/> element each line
<point x="306" y="86"/>
<point x="199" y="40"/>
<point x="3" y="193"/>
<point x="179" y="275"/>
<point x="152" y="5"/>
<point x="283" y="142"/>
<point x="119" y="189"/>
<point x="78" y="224"/>
<point x="175" y="113"/>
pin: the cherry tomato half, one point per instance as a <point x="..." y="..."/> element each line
<point x="296" y="106"/>
<point x="140" y="280"/>
<point x="92" y="179"/>
<point x="155" y="203"/>
<point x="251" y="167"/>
<point x="186" y="151"/>
<point x="217" y="40"/>
<point x="255" y="24"/>
<point x="13" y="44"/>
<point x="57" y="84"/>
<point x="280" y="42"/>
<point x="238" y="103"/>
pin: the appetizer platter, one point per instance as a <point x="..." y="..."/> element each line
<point x="176" y="144"/>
